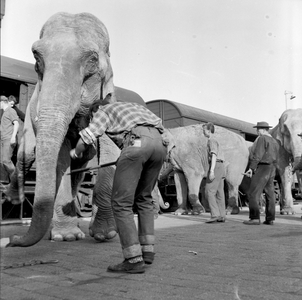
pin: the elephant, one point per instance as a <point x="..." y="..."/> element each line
<point x="74" y="70"/>
<point x="188" y="155"/>
<point x="290" y="151"/>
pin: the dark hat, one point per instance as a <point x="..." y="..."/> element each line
<point x="262" y="125"/>
<point x="300" y="134"/>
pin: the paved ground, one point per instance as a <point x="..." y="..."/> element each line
<point x="231" y="261"/>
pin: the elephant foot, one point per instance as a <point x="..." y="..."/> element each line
<point x="287" y="211"/>
<point x="69" y="236"/>
<point x="181" y="211"/>
<point x="198" y="209"/>
<point x="102" y="230"/>
<point x="232" y="210"/>
<point x="235" y="210"/>
<point x="66" y="229"/>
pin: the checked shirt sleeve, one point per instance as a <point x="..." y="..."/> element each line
<point x="96" y="128"/>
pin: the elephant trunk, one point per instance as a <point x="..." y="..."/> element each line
<point x="56" y="111"/>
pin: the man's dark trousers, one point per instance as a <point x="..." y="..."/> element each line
<point x="136" y="174"/>
<point x="262" y="180"/>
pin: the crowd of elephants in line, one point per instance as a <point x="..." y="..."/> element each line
<point x="74" y="69"/>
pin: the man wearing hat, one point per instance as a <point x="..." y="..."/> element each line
<point x="299" y="165"/>
<point x="262" y="170"/>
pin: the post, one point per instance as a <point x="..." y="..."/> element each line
<point x="291" y="97"/>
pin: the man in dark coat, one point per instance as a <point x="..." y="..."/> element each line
<point x="262" y="170"/>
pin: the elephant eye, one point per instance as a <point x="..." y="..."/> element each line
<point x="91" y="65"/>
<point x="39" y="65"/>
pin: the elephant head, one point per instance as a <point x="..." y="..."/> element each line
<point x="74" y="70"/>
<point x="286" y="132"/>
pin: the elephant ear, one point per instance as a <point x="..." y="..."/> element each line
<point x="280" y="130"/>
<point x="276" y="133"/>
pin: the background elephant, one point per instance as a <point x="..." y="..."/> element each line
<point x="188" y="155"/>
<point x="74" y="70"/>
<point x="290" y="124"/>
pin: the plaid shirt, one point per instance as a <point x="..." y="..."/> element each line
<point x="117" y="119"/>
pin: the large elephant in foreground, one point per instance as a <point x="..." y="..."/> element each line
<point x="189" y="157"/>
<point x="286" y="133"/>
<point x="74" y="70"/>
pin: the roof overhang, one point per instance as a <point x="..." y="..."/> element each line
<point x="18" y="70"/>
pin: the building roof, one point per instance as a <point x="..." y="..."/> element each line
<point x="18" y="70"/>
<point x="200" y="115"/>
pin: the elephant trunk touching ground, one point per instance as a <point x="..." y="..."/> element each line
<point x="54" y="116"/>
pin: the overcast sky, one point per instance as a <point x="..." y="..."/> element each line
<point x="232" y="57"/>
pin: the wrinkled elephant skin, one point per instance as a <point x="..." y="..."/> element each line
<point x="102" y="226"/>
<point x="286" y="133"/>
<point x="189" y="158"/>
<point x="74" y="70"/>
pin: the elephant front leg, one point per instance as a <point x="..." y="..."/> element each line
<point x="194" y="178"/>
<point x="102" y="226"/>
<point x="286" y="201"/>
<point x="181" y="193"/>
<point x="65" y="223"/>
<point x="232" y="206"/>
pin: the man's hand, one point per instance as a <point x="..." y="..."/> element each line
<point x="248" y="173"/>
<point x="211" y="175"/>
<point x="73" y="154"/>
<point x="13" y="141"/>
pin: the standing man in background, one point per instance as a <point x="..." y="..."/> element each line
<point x="9" y="131"/>
<point x="13" y="101"/>
<point x="214" y="189"/>
<point x="262" y="170"/>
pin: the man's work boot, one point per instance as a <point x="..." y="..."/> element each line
<point x="252" y="222"/>
<point x="212" y="220"/>
<point x="127" y="266"/>
<point x="268" y="222"/>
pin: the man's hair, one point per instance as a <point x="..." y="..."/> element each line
<point x="12" y="98"/>
<point x="4" y="99"/>
<point x="209" y="126"/>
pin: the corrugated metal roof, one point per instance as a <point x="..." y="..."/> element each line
<point x="25" y="72"/>
<point x="200" y="115"/>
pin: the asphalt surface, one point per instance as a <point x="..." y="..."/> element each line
<point x="194" y="260"/>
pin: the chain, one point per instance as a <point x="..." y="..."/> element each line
<point x="30" y="263"/>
